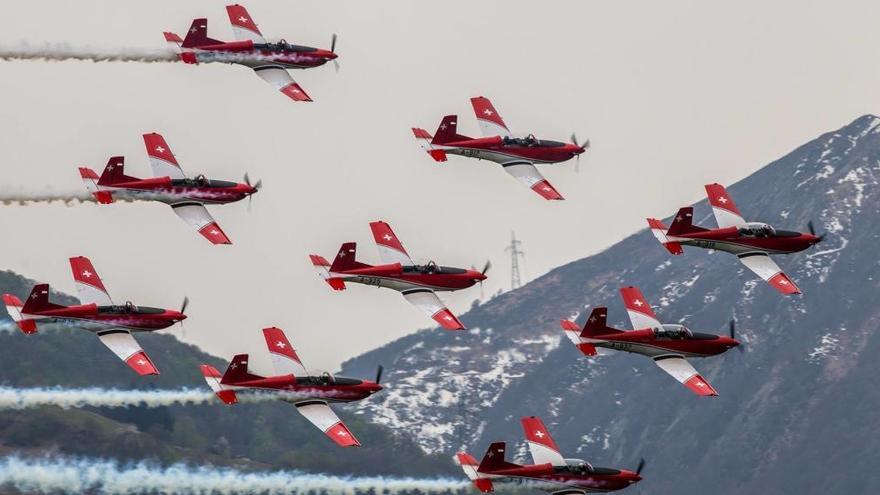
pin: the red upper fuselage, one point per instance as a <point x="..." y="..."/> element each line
<point x="395" y="276"/>
<point x="334" y="389"/>
<point x="95" y="318"/>
<point x="736" y="240"/>
<point x="252" y="54"/>
<point x="653" y="342"/>
<point x="175" y="191"/>
<point x="502" y="149"/>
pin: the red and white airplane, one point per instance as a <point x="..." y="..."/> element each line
<point x="270" y="61"/>
<point x="417" y="283"/>
<point x="751" y="242"/>
<point x="668" y="345"/>
<point x="517" y="155"/>
<point x="550" y="472"/>
<point x="293" y="383"/>
<point x="187" y="197"/>
<point x="113" y="323"/>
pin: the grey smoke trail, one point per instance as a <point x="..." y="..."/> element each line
<point x="25" y="398"/>
<point x="63" y="51"/>
<point x="66" y="197"/>
<point x="75" y="476"/>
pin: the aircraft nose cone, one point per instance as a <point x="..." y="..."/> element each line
<point x="180" y="316"/>
<point x="331" y="56"/>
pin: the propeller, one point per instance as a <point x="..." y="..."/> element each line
<point x="379" y="371"/>
<point x="640" y="466"/>
<point x="486" y="267"/>
<point x="333" y="50"/>
<point x="731" y="330"/>
<point x="184" y="304"/>
<point x="257" y="186"/>
<point x="813" y="231"/>
<point x="585" y="145"/>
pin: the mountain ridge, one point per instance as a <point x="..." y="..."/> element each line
<point x="452" y="391"/>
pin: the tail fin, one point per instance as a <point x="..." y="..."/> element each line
<point x="659" y="231"/>
<point x="541" y="444"/>
<point x="494" y="459"/>
<point x="114" y="172"/>
<point x="322" y="266"/>
<point x="424" y="138"/>
<point x="448" y="131"/>
<point x="346" y="258"/>
<point x="683" y="221"/>
<point x="198" y="35"/>
<point x="238" y="371"/>
<point x="39" y="300"/>
<point x="212" y="376"/>
<point x="14" y="307"/>
<point x="90" y="179"/>
<point x="469" y="466"/>
<point x="597" y="324"/>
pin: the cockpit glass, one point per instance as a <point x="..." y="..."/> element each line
<point x="672" y="332"/>
<point x="756" y="229"/>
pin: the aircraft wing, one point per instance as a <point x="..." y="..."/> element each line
<point x="637" y="307"/>
<point x="279" y="77"/>
<point x="766" y="268"/>
<point x="198" y="217"/>
<point x="320" y="415"/>
<point x="390" y="248"/>
<point x="123" y="345"/>
<point x="682" y="371"/>
<point x="491" y="123"/>
<point x="427" y="301"/>
<point x="526" y="173"/>
<point x="162" y="160"/>
<point x="726" y="213"/>
<point x="284" y="357"/>
<point x="243" y="25"/>
<point x="88" y="284"/>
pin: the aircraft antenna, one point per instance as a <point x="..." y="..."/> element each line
<point x="515" y="254"/>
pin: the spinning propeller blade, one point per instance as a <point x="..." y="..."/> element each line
<point x="379" y="371"/>
<point x="486" y="267"/>
<point x="184" y="304"/>
<point x="813" y="231"/>
<point x="640" y="466"/>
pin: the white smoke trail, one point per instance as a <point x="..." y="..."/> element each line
<point x="75" y="476"/>
<point x="71" y="197"/>
<point x="25" y="398"/>
<point x="63" y="51"/>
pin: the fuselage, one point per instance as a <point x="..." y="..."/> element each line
<point x="98" y="318"/>
<point x="174" y="191"/>
<point x="406" y="278"/>
<point x="325" y="387"/>
<point x="506" y="150"/>
<point x="664" y="341"/>
<point x="253" y="54"/>
<point x="742" y="241"/>
<point x="597" y="479"/>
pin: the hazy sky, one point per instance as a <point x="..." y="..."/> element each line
<point x="673" y="95"/>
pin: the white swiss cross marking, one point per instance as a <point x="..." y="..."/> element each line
<point x="638" y="303"/>
<point x="160" y="149"/>
<point x="215" y="232"/>
<point x="592" y="319"/>
<point x="35" y="296"/>
<point x="701" y="384"/>
<point x="443" y="127"/>
<point x="193" y="30"/>
<point x="722" y="200"/>
<point x="110" y="167"/>
<point x="487" y="111"/>
<point x="141" y="362"/>
<point x="296" y="90"/>
<point x="783" y="282"/>
<point x="539" y="434"/>
<point x="87" y="274"/>
<point x="546" y="188"/>
<point x="243" y="19"/>
<point x="280" y="344"/>
<point x="447" y="318"/>
<point x="342" y="433"/>
<point x="233" y="366"/>
<point x="387" y="237"/>
<point x="342" y="254"/>
<point x="679" y="218"/>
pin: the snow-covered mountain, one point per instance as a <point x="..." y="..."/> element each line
<point x="799" y="411"/>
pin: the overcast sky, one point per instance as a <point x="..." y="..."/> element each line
<point x="673" y="95"/>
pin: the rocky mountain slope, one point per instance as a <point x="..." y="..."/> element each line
<point x="798" y="409"/>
